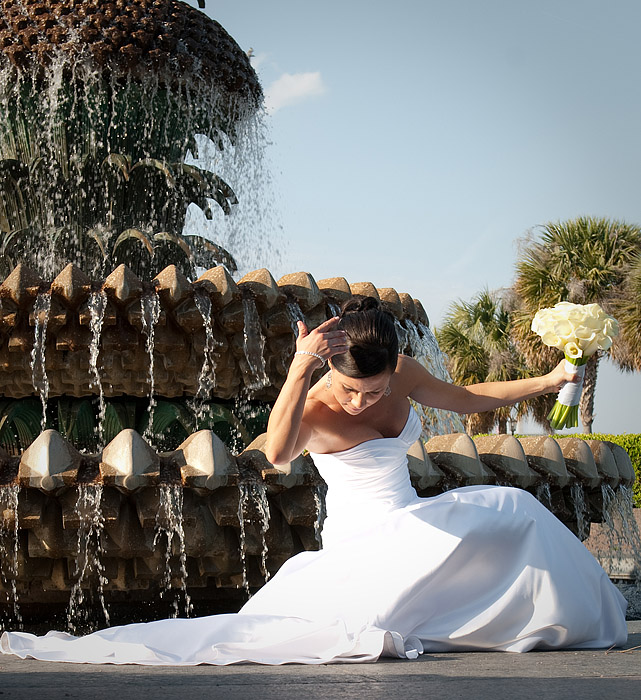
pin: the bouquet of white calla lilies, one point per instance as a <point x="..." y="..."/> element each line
<point x="579" y="330"/>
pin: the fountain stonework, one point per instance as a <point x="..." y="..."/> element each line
<point x="105" y="299"/>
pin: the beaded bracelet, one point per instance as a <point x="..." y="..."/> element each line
<point x="313" y="354"/>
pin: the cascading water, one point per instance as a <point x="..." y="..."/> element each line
<point x="544" y="494"/>
<point x="150" y="306"/>
<point x="253" y="499"/>
<point x="320" y="491"/>
<point x="207" y="375"/>
<point x="169" y="526"/>
<point x="577" y="493"/>
<point x="254" y="346"/>
<point x="295" y="314"/>
<point x="41" y="310"/>
<point x="97" y="305"/>
<point x="88" y="560"/>
<point x="9" y="546"/>
<point x="259" y="493"/>
<point x="243" y="503"/>
<point x="423" y="346"/>
<point x="621" y="530"/>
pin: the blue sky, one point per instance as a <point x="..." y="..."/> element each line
<point x="413" y="144"/>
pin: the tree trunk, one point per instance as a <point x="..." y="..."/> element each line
<point x="586" y="404"/>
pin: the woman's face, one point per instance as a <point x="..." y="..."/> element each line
<point x="355" y="395"/>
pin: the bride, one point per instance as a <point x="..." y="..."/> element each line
<point x="475" y="568"/>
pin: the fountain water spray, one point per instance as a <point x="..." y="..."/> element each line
<point x="150" y="307"/>
<point x="88" y="552"/>
<point x="9" y="546"/>
<point x="169" y="524"/>
<point x="97" y="305"/>
<point x="254" y="346"/>
<point x="579" y="502"/>
<point x="41" y="309"/>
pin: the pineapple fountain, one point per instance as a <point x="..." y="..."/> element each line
<point x="137" y="371"/>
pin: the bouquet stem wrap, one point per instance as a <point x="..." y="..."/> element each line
<point x="565" y="412"/>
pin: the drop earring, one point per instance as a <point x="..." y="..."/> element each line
<point x="328" y="380"/>
<point x="387" y="391"/>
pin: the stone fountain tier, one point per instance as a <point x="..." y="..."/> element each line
<point x="47" y="478"/>
<point x="127" y="37"/>
<point x="247" y="356"/>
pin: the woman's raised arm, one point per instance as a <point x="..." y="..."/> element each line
<point x="476" y="398"/>
<point x="287" y="431"/>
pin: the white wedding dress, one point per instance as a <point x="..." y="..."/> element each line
<point x="476" y="568"/>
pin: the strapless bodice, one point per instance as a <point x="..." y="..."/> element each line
<point x="367" y="481"/>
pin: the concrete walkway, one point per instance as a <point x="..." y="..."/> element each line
<point x="557" y="675"/>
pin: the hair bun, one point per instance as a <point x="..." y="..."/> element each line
<point x="359" y="304"/>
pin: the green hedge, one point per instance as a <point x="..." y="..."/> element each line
<point x="631" y="443"/>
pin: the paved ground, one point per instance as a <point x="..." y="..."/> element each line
<point x="558" y="675"/>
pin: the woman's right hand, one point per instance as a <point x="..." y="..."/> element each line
<point x="325" y="340"/>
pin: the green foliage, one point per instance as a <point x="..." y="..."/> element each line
<point x="20" y="423"/>
<point x="631" y="443"/>
<point x="235" y="423"/>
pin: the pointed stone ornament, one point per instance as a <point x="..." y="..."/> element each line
<point x="627" y="477"/>
<point x="505" y="456"/>
<point x="122" y="285"/>
<point x="264" y="288"/>
<point x="391" y="301"/>
<point x="21" y="286"/>
<point x="205" y="462"/>
<point x="456" y="454"/>
<point x="220" y="285"/>
<point x="72" y="285"/>
<point x="49" y="463"/>
<point x="425" y="474"/>
<point x="579" y="461"/>
<point x="409" y="308"/>
<point x="605" y="463"/>
<point x="129" y="462"/>
<point x="294" y="473"/>
<point x="302" y="286"/>
<point x="421" y="315"/>
<point x="336" y="288"/>
<point x="364" y="289"/>
<point x="544" y="455"/>
<point x="172" y="286"/>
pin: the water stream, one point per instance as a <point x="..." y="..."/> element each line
<point x="621" y="530"/>
<point x="89" y="571"/>
<point x="41" y="310"/>
<point x="254" y="346"/>
<point x="243" y="503"/>
<point x="207" y="375"/>
<point x="9" y="545"/>
<point x="169" y="526"/>
<point x="577" y="494"/>
<point x="97" y="305"/>
<point x="320" y="491"/>
<point x="295" y="314"/>
<point x="150" y="307"/>
<point x="423" y="346"/>
<point x="544" y="494"/>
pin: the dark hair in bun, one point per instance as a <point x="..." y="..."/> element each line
<point x="371" y="339"/>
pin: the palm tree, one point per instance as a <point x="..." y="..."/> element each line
<point x="476" y="338"/>
<point x="626" y="307"/>
<point x="582" y="260"/>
